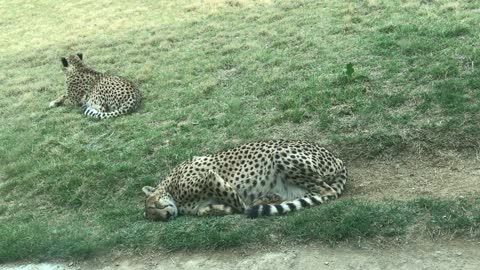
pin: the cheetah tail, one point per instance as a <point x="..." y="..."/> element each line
<point x="279" y="209"/>
<point x="285" y="207"/>
<point x="91" y="112"/>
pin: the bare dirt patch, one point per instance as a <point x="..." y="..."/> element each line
<point x="429" y="255"/>
<point x="449" y="175"/>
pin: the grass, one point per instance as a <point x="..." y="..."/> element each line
<point x="215" y="74"/>
<point x="345" y="220"/>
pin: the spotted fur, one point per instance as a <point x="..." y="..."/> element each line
<point x="100" y="95"/>
<point x="258" y="179"/>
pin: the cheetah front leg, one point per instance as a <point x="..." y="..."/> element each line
<point x="63" y="100"/>
<point x="227" y="199"/>
<point x="57" y="102"/>
<point x="215" y="210"/>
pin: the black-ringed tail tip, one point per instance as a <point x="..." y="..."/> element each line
<point x="264" y="210"/>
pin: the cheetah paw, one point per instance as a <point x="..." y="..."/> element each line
<point x="52" y="104"/>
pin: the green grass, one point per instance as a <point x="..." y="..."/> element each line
<point x="125" y="228"/>
<point x="215" y="74"/>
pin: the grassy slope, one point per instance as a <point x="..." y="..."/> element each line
<point x="215" y="74"/>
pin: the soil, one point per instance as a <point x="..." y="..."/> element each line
<point x="448" y="176"/>
<point x="429" y="255"/>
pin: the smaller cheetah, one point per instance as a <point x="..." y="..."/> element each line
<point x="257" y="179"/>
<point x="100" y="95"/>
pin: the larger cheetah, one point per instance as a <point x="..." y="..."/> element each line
<point x="258" y="179"/>
<point x="100" y="95"/>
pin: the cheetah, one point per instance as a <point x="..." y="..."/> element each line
<point x="257" y="179"/>
<point x="100" y="95"/>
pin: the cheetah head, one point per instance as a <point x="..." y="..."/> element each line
<point x="72" y="67"/>
<point x="71" y="63"/>
<point x="159" y="204"/>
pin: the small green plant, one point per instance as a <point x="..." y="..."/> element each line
<point x="349" y="70"/>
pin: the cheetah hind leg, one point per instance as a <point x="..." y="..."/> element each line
<point x="224" y="193"/>
<point x="94" y="107"/>
<point x="338" y="181"/>
<point x="269" y="198"/>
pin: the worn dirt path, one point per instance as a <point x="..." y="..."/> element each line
<point x="437" y="256"/>
<point x="449" y="175"/>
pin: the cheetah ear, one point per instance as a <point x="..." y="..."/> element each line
<point x="80" y="55"/>
<point x="64" y="62"/>
<point x="148" y="190"/>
